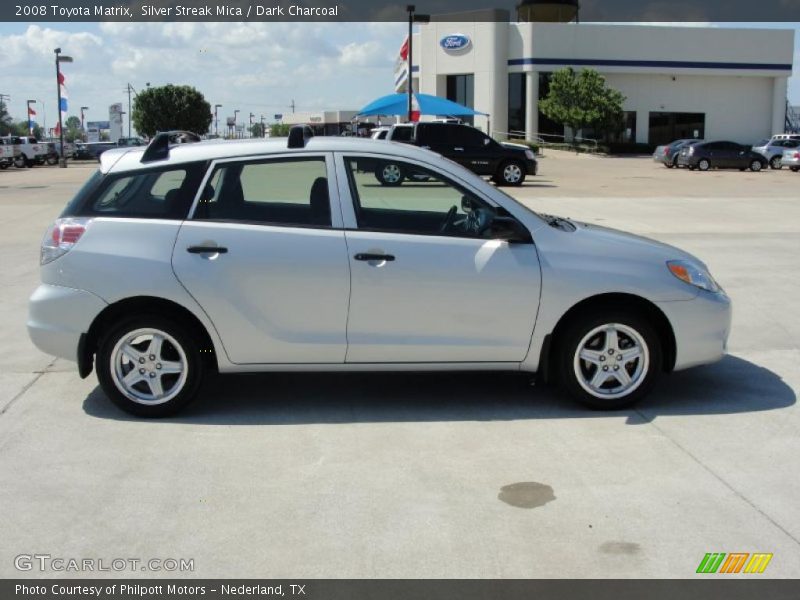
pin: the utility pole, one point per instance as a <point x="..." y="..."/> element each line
<point x="263" y="128"/>
<point x="129" y="88"/>
<point x="251" y="124"/>
<point x="292" y="106"/>
<point x="216" y="118"/>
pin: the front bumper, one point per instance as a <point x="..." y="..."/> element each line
<point x="701" y="327"/>
<point x="57" y="316"/>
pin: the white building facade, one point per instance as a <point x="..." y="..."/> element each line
<point x="678" y="81"/>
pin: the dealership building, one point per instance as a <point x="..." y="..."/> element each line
<point x="678" y="81"/>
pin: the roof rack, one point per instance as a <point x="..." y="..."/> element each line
<point x="158" y="148"/>
<point x="299" y="136"/>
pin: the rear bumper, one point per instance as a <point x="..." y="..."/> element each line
<point x="701" y="327"/>
<point x="531" y="166"/>
<point x="687" y="161"/>
<point x="57" y="316"/>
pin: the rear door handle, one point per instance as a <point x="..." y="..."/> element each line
<point x="369" y="256"/>
<point x="206" y="250"/>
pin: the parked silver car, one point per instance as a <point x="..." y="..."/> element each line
<point x="176" y="261"/>
<point x="668" y="154"/>
<point x="773" y="150"/>
<point x="791" y="159"/>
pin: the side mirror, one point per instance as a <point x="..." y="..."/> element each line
<point x="510" y="230"/>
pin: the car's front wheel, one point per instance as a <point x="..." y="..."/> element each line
<point x="610" y="360"/>
<point x="756" y="165"/>
<point x="704" y="164"/>
<point x="775" y="163"/>
<point x="149" y="366"/>
<point x="510" y="173"/>
<point x="390" y="174"/>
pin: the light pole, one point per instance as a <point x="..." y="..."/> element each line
<point x="30" y="124"/>
<point x="251" y="124"/>
<point x="412" y="18"/>
<point x="83" y="129"/>
<point x="60" y="59"/>
<point x="216" y="118"/>
<point x="235" y="120"/>
<point x="263" y="128"/>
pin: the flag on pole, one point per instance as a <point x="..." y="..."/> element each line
<point x="64" y="103"/>
<point x="401" y="67"/>
<point x="415" y="110"/>
<point x="31" y="112"/>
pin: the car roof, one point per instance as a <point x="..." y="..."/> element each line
<point x="129" y="158"/>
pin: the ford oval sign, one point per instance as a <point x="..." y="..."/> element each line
<point x="457" y="42"/>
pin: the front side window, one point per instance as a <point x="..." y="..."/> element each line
<point x="400" y="197"/>
<point x="290" y="191"/>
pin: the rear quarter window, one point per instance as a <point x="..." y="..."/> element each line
<point x="161" y="193"/>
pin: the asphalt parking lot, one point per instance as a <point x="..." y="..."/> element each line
<point x="431" y="475"/>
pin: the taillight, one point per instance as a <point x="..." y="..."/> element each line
<point x="666" y="151"/>
<point x="61" y="237"/>
<point x="797" y="154"/>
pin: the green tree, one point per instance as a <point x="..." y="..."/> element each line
<point x="72" y="129"/>
<point x="279" y="130"/>
<point x="21" y="128"/>
<point x="171" y="107"/>
<point x="6" y="123"/>
<point x="581" y="100"/>
<point x="257" y="130"/>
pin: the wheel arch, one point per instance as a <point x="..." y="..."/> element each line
<point x="142" y="305"/>
<point x="611" y="301"/>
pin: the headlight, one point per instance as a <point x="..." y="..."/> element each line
<point x="693" y="274"/>
<point x="530" y="155"/>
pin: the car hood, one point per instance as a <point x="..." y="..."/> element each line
<point x="613" y="243"/>
<point x="513" y="146"/>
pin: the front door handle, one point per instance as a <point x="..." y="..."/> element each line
<point x="370" y="256"/>
<point x="458" y="149"/>
<point x="206" y="250"/>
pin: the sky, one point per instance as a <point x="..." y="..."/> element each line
<point x="253" y="67"/>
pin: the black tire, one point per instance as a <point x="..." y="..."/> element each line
<point x="510" y="172"/>
<point x="756" y="166"/>
<point x="389" y="174"/>
<point x="51" y="160"/>
<point x="775" y="163"/>
<point x="675" y="162"/>
<point x="20" y="162"/>
<point x="794" y="169"/>
<point x="3" y="166"/>
<point x="669" y="165"/>
<point x="704" y="164"/>
<point x="194" y="365"/>
<point x="573" y="336"/>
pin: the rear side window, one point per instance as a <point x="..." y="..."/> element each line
<point x="280" y="191"/>
<point x="163" y="193"/>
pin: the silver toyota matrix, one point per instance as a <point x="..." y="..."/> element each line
<point x="184" y="259"/>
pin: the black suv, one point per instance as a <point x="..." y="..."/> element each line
<point x="505" y="163"/>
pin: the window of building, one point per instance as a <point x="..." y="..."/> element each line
<point x="516" y="102"/>
<point x="461" y="89"/>
<point x="666" y="127"/>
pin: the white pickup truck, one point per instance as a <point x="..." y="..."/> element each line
<point x="31" y="152"/>
<point x="8" y="153"/>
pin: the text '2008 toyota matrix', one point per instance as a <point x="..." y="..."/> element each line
<point x="179" y="260"/>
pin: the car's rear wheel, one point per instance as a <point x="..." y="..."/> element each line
<point x="20" y="162"/>
<point x="390" y="174"/>
<point x="610" y="360"/>
<point x="755" y="165"/>
<point x="510" y="172"/>
<point x="149" y="366"/>
<point x="775" y="163"/>
<point x="704" y="164"/>
<point x="794" y="169"/>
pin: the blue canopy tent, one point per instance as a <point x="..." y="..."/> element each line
<point x="397" y="104"/>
